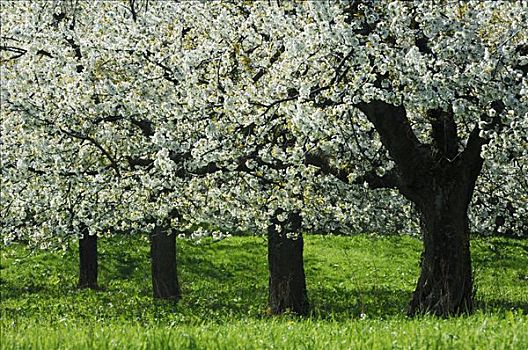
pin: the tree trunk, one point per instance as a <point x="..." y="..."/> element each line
<point x="88" y="261"/>
<point x="445" y="286"/>
<point x="287" y="285"/>
<point x="439" y="179"/>
<point x="163" y="258"/>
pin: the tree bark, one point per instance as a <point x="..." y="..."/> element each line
<point x="88" y="261"/>
<point x="163" y="259"/>
<point x="439" y="180"/>
<point x="445" y="285"/>
<point x="287" y="284"/>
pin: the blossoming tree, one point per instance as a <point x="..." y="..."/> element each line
<point x="79" y="156"/>
<point x="308" y="103"/>
<point x="409" y="96"/>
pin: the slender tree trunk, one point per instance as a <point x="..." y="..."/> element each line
<point x="287" y="285"/>
<point x="163" y="258"/>
<point x="445" y="285"/>
<point x="88" y="261"/>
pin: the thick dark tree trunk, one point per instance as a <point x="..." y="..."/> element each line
<point x="163" y="258"/>
<point x="445" y="286"/>
<point x="287" y="285"/>
<point x="88" y="261"/>
<point x="440" y="180"/>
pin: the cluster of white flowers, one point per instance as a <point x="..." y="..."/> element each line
<point x="199" y="112"/>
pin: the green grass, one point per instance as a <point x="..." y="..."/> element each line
<point x="359" y="288"/>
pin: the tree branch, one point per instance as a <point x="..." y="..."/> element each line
<point x="322" y="162"/>
<point x="471" y="154"/>
<point x="444" y="132"/>
<point x="375" y="181"/>
<point x="273" y="59"/>
<point x="396" y="135"/>
<point x="18" y="51"/>
<point x="94" y="142"/>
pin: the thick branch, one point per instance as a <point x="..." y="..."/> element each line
<point x="141" y="162"/>
<point x="471" y="155"/>
<point x="375" y="181"/>
<point x="396" y="134"/>
<point x="522" y="50"/>
<point x="444" y="132"/>
<point x="322" y="162"/>
<point x="63" y="173"/>
<point x="144" y="124"/>
<point x="474" y="146"/>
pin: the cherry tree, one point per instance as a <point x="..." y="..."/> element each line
<point x="186" y="110"/>
<point x="81" y="159"/>
<point x="409" y="96"/>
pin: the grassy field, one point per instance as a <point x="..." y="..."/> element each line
<point x="359" y="288"/>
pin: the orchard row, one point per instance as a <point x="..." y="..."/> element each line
<point x="281" y="117"/>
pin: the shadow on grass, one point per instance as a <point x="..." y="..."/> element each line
<point x="498" y="254"/>
<point x="200" y="267"/>
<point x="340" y="303"/>
<point x="41" y="275"/>
<point x="13" y="291"/>
<point x="494" y="305"/>
<point x="123" y="266"/>
<point x="326" y="303"/>
<point x="220" y="282"/>
<point x="225" y="245"/>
